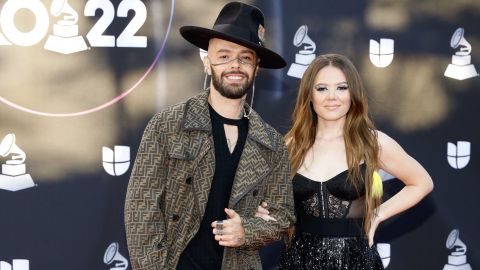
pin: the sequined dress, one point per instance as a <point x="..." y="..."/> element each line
<point x="329" y="234"/>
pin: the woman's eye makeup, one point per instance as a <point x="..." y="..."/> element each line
<point x="324" y="88"/>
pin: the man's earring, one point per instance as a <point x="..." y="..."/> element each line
<point x="205" y="81"/>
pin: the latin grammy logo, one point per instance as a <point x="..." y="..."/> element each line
<point x="305" y="56"/>
<point x="457" y="260"/>
<point x="65" y="38"/>
<point x="461" y="67"/>
<point x="112" y="255"/>
<point x="13" y="176"/>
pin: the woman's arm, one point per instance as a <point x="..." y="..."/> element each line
<point x="418" y="183"/>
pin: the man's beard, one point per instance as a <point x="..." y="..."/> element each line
<point x="229" y="91"/>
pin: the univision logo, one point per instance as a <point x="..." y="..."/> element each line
<point x="384" y="252"/>
<point x="381" y="54"/>
<point x="458" y="155"/>
<point x="116" y="162"/>
<point x="18" y="264"/>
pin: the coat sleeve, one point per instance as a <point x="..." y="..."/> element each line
<point x="144" y="221"/>
<point x="279" y="197"/>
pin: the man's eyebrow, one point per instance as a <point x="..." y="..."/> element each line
<point x="224" y="50"/>
<point x="247" y="51"/>
<point x="242" y="51"/>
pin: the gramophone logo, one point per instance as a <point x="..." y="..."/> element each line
<point x="458" y="155"/>
<point x="18" y="264"/>
<point x="381" y="54"/>
<point x="116" y="162"/>
<point x="384" y="252"/>
<point x="13" y="176"/>
<point x="457" y="260"/>
<point x="114" y="258"/>
<point x="65" y="38"/>
<point x="305" y="56"/>
<point x="461" y="67"/>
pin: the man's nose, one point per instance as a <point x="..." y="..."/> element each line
<point x="236" y="62"/>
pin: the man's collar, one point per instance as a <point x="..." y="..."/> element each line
<point x="197" y="117"/>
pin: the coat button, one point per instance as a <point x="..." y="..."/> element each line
<point x="175" y="217"/>
<point x="189" y="180"/>
<point x="255" y="192"/>
<point x="159" y="245"/>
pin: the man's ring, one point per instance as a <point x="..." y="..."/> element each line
<point x="219" y="225"/>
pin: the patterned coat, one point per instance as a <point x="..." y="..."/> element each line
<point x="170" y="182"/>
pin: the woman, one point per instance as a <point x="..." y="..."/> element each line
<point x="335" y="152"/>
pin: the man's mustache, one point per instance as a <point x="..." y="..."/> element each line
<point x="234" y="72"/>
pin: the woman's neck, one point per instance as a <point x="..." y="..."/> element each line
<point x="329" y="130"/>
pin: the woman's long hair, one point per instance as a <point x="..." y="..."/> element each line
<point x="359" y="132"/>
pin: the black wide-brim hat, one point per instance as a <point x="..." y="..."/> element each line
<point x="241" y="24"/>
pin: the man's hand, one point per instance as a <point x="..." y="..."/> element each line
<point x="230" y="232"/>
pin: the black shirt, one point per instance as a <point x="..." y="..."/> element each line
<point x="203" y="252"/>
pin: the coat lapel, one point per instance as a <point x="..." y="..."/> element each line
<point x="196" y="120"/>
<point x="252" y="167"/>
<point x="196" y="115"/>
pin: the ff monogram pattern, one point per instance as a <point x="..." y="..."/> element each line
<point x="171" y="179"/>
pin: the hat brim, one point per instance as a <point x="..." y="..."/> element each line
<point x="200" y="37"/>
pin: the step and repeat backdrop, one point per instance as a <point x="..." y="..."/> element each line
<point x="79" y="80"/>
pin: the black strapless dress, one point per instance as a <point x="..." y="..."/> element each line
<point x="329" y="233"/>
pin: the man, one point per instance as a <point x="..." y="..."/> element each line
<point x="205" y="165"/>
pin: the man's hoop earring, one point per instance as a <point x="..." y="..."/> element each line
<point x="205" y="81"/>
<point x="245" y="114"/>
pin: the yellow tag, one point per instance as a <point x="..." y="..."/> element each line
<point x="377" y="185"/>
